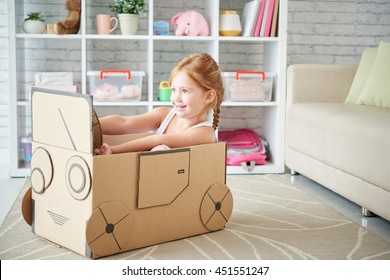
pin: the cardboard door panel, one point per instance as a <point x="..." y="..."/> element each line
<point x="162" y="177"/>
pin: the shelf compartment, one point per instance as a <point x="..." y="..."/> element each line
<point x="92" y="8"/>
<point x="45" y="55"/>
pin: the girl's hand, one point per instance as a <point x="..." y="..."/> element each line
<point x="105" y="149"/>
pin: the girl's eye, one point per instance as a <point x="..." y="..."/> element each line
<point x="184" y="90"/>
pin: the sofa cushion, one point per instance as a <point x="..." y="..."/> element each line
<point x="351" y="138"/>
<point x="376" y="90"/>
<point x="307" y="126"/>
<point x="364" y="68"/>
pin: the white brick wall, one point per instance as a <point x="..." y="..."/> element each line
<point x="324" y="31"/>
<point x="328" y="31"/>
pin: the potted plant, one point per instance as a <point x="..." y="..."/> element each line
<point x="128" y="14"/>
<point x="34" y="23"/>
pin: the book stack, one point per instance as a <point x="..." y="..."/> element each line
<point x="260" y="18"/>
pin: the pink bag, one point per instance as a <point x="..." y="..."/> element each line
<point x="241" y="139"/>
<point x="244" y="147"/>
<point x="238" y="159"/>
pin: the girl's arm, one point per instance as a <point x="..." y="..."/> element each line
<point x="116" y="124"/>
<point x="196" y="136"/>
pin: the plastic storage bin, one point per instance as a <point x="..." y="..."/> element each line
<point x="248" y="86"/>
<point x="115" y="85"/>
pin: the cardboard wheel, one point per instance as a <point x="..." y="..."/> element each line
<point x="97" y="132"/>
<point x="108" y="228"/>
<point x="41" y="170"/>
<point x="216" y="207"/>
<point x="78" y="178"/>
<point x="27" y="206"/>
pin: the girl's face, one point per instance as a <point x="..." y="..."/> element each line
<point x="187" y="97"/>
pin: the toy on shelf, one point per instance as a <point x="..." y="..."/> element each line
<point x="71" y="24"/>
<point x="190" y="23"/>
<point x="164" y="91"/>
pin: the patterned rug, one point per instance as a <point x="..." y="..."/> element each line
<point x="271" y="220"/>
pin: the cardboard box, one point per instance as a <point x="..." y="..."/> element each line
<point x="115" y="85"/>
<point x="103" y="205"/>
<point x="248" y="86"/>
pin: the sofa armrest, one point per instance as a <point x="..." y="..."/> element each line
<point x="319" y="83"/>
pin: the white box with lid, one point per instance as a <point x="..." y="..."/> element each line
<point x="115" y="85"/>
<point x="248" y="85"/>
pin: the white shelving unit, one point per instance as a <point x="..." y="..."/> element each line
<point x="156" y="55"/>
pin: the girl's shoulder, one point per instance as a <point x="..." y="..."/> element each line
<point x="160" y="112"/>
<point x="201" y="134"/>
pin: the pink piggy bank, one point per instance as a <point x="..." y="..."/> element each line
<point x="190" y="23"/>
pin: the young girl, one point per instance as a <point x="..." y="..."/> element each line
<point x="197" y="90"/>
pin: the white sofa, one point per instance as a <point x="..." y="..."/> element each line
<point x="344" y="147"/>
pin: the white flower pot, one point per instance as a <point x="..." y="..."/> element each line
<point x="128" y="23"/>
<point x="34" y="26"/>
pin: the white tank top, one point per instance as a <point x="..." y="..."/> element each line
<point x="169" y="118"/>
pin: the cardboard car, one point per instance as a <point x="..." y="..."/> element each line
<point x="103" y="205"/>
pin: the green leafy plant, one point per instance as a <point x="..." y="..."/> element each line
<point x="34" y="16"/>
<point x="129" y="7"/>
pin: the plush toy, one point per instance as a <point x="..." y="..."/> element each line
<point x="71" y="24"/>
<point x="190" y="23"/>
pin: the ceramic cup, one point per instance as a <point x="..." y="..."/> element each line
<point x="229" y="24"/>
<point x="104" y="24"/>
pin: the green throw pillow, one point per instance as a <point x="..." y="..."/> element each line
<point x="364" y="68"/>
<point x="376" y="90"/>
